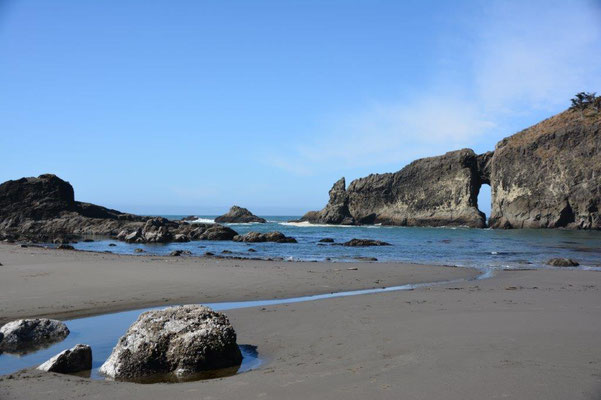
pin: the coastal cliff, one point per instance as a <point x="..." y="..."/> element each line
<point x="547" y="176"/>
<point x="434" y="191"/>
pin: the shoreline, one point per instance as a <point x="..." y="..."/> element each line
<point x="27" y="288"/>
<point x="521" y="334"/>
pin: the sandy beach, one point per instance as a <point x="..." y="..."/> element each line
<point x="521" y="334"/>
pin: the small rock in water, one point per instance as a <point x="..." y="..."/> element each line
<point x="76" y="359"/>
<point x="24" y="334"/>
<point x="65" y="247"/>
<point x="366" y="258"/>
<point x="179" y="340"/>
<point x="365" y="242"/>
<point x="112" y="245"/>
<point x="88" y="240"/>
<point x="177" y="253"/>
<point x="138" y="250"/>
<point x="562" y="262"/>
<point x="326" y="240"/>
<point x="252" y="250"/>
<point x="226" y="252"/>
<point x="209" y="254"/>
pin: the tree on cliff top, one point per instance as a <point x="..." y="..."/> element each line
<point x="584" y="100"/>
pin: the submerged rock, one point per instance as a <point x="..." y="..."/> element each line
<point x="562" y="262"/>
<point x="25" y="334"/>
<point x="177" y="253"/>
<point x="239" y="215"/>
<point x="256" y="237"/>
<point x="76" y="359"/>
<point x="326" y="240"/>
<point x="364" y="243"/>
<point x="178" y="340"/>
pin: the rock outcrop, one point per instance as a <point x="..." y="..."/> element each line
<point x="76" y="359"/>
<point x="29" y="334"/>
<point x="435" y="191"/>
<point x="178" y="340"/>
<point x="255" y="237"/>
<point x="364" y="243"/>
<point x="44" y="209"/>
<point x="549" y="175"/>
<point x="239" y="215"/>
<point x="336" y="211"/>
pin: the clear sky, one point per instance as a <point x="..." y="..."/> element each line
<point x="192" y="106"/>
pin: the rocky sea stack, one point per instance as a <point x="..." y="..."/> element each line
<point x="562" y="191"/>
<point x="44" y="209"/>
<point x="178" y="341"/>
<point x="239" y="215"/>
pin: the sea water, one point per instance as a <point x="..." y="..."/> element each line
<point x="518" y="248"/>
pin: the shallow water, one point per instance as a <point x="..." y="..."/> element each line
<point x="103" y="331"/>
<point x="458" y="246"/>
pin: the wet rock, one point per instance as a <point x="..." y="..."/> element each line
<point x="181" y="238"/>
<point x="562" y="262"/>
<point x="209" y="254"/>
<point x="365" y="258"/>
<point x="65" y="247"/>
<point x="257" y="237"/>
<point x="76" y="359"/>
<point x="218" y="232"/>
<point x="138" y="250"/>
<point x="364" y="243"/>
<point x="252" y="250"/>
<point x="190" y="218"/>
<point x="177" y="253"/>
<point x="25" y="334"/>
<point x="239" y="215"/>
<point x="178" y="340"/>
<point x="326" y="240"/>
<point x="226" y="252"/>
<point x="112" y="245"/>
<point x="88" y="240"/>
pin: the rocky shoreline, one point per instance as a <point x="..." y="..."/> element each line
<point x="546" y="176"/>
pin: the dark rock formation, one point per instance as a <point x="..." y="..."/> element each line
<point x="562" y="262"/>
<point x="218" y="232"/>
<point x="43" y="209"/>
<point x="336" y="211"/>
<point x="29" y="334"/>
<point x="435" y="191"/>
<point x="254" y="237"/>
<point x="549" y="175"/>
<point x="178" y="340"/>
<point x="364" y="242"/>
<point x="177" y="253"/>
<point x="326" y="240"/>
<point x="239" y="215"/>
<point x="76" y="359"/>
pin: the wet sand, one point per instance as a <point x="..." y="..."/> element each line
<point x="518" y="335"/>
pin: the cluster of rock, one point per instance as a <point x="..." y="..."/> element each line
<point x="44" y="209"/>
<point x="547" y="176"/>
<point x="239" y="215"/>
<point x="24" y="335"/>
<point x="180" y="340"/>
<point x="256" y="237"/>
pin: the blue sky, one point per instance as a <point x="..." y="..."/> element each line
<point x="192" y="106"/>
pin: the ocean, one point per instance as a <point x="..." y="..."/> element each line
<point x="519" y="248"/>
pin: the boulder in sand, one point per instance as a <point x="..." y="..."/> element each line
<point x="180" y="340"/>
<point x="76" y="359"/>
<point x="25" y="334"/>
<point x="239" y="215"/>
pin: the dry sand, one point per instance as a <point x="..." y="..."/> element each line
<point x="518" y="335"/>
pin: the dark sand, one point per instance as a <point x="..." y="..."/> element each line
<point x="518" y="335"/>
